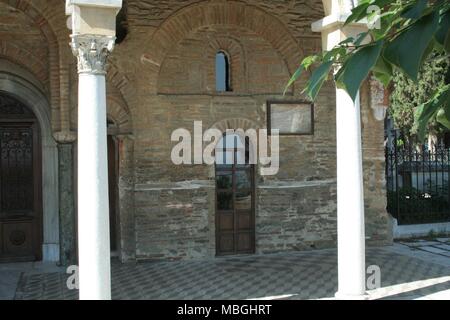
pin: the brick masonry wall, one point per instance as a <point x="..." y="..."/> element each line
<point x="161" y="78"/>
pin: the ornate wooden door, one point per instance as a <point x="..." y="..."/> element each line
<point x="20" y="200"/>
<point x="235" y="204"/>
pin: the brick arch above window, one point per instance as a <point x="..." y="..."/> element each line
<point x="122" y="83"/>
<point x="119" y="113"/>
<point x="231" y="13"/>
<point x="236" y="55"/>
<point x="25" y="59"/>
<point x="235" y="124"/>
<point x="49" y="15"/>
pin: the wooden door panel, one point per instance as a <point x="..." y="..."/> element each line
<point x="226" y="243"/>
<point x="20" y="183"/>
<point x="244" y="221"/>
<point x="244" y="242"/>
<point x="18" y="239"/>
<point x="226" y="222"/>
<point x="20" y="204"/>
<point x="16" y="163"/>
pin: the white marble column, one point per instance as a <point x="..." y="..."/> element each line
<point x="350" y="189"/>
<point x="93" y="204"/>
<point x="350" y="198"/>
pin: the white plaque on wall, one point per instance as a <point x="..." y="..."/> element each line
<point x="291" y="117"/>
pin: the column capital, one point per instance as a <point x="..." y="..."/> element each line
<point x="92" y="52"/>
<point x="65" y="137"/>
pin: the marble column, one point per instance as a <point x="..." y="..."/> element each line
<point x="67" y="220"/>
<point x="350" y="190"/>
<point x="93" y="204"/>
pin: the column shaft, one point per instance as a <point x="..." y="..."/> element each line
<point x="93" y="206"/>
<point x="66" y="205"/>
<point x="350" y="194"/>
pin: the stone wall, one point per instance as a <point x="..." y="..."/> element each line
<point x="161" y="78"/>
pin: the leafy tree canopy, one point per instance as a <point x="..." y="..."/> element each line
<point x="407" y="95"/>
<point x="409" y="31"/>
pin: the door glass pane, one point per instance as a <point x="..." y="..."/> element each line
<point x="243" y="180"/>
<point x="244" y="200"/>
<point x="225" y="201"/>
<point x="224" y="180"/>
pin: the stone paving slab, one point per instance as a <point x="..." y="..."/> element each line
<point x="10" y="274"/>
<point x="433" y="249"/>
<point x="306" y="275"/>
<point x="443" y="247"/>
<point x="420" y="243"/>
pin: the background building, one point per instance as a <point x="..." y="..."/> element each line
<point x="163" y="75"/>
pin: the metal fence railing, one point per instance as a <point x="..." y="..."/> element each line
<point x="418" y="184"/>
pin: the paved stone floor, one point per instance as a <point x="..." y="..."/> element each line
<point x="306" y="275"/>
<point x="439" y="246"/>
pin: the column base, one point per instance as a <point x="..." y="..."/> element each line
<point x="349" y="297"/>
<point x="50" y="252"/>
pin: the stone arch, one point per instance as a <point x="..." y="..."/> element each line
<point x="122" y="84"/>
<point x="237" y="59"/>
<point x="26" y="59"/>
<point x="31" y="96"/>
<point x="235" y="123"/>
<point x="49" y="17"/>
<point x="118" y="112"/>
<point x="195" y="16"/>
<point x="231" y="124"/>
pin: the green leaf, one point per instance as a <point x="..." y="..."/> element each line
<point x="415" y="10"/>
<point x="334" y="53"/>
<point x="426" y="111"/>
<point x="383" y="78"/>
<point x="383" y="71"/>
<point x="444" y="28"/>
<point x="407" y="49"/>
<point x="443" y="117"/>
<point x="387" y="21"/>
<point x="358" y="13"/>
<point x="360" y="38"/>
<point x="305" y="64"/>
<point x="317" y="79"/>
<point x="347" y="41"/>
<point x="383" y="66"/>
<point x="357" y="67"/>
<point x="294" y="78"/>
<point x="361" y="11"/>
<point x="447" y="43"/>
<point x="431" y="46"/>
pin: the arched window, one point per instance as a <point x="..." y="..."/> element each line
<point x="222" y="72"/>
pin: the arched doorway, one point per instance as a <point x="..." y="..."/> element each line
<point x="235" y="197"/>
<point x="20" y="183"/>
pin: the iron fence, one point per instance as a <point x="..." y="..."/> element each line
<point x="418" y="184"/>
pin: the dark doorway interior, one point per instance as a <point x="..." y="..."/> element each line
<point x="113" y="191"/>
<point x="20" y="183"/>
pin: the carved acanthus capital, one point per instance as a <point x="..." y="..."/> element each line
<point x="92" y="52"/>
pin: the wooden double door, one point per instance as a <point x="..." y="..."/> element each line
<point x="235" y="207"/>
<point x="20" y="184"/>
